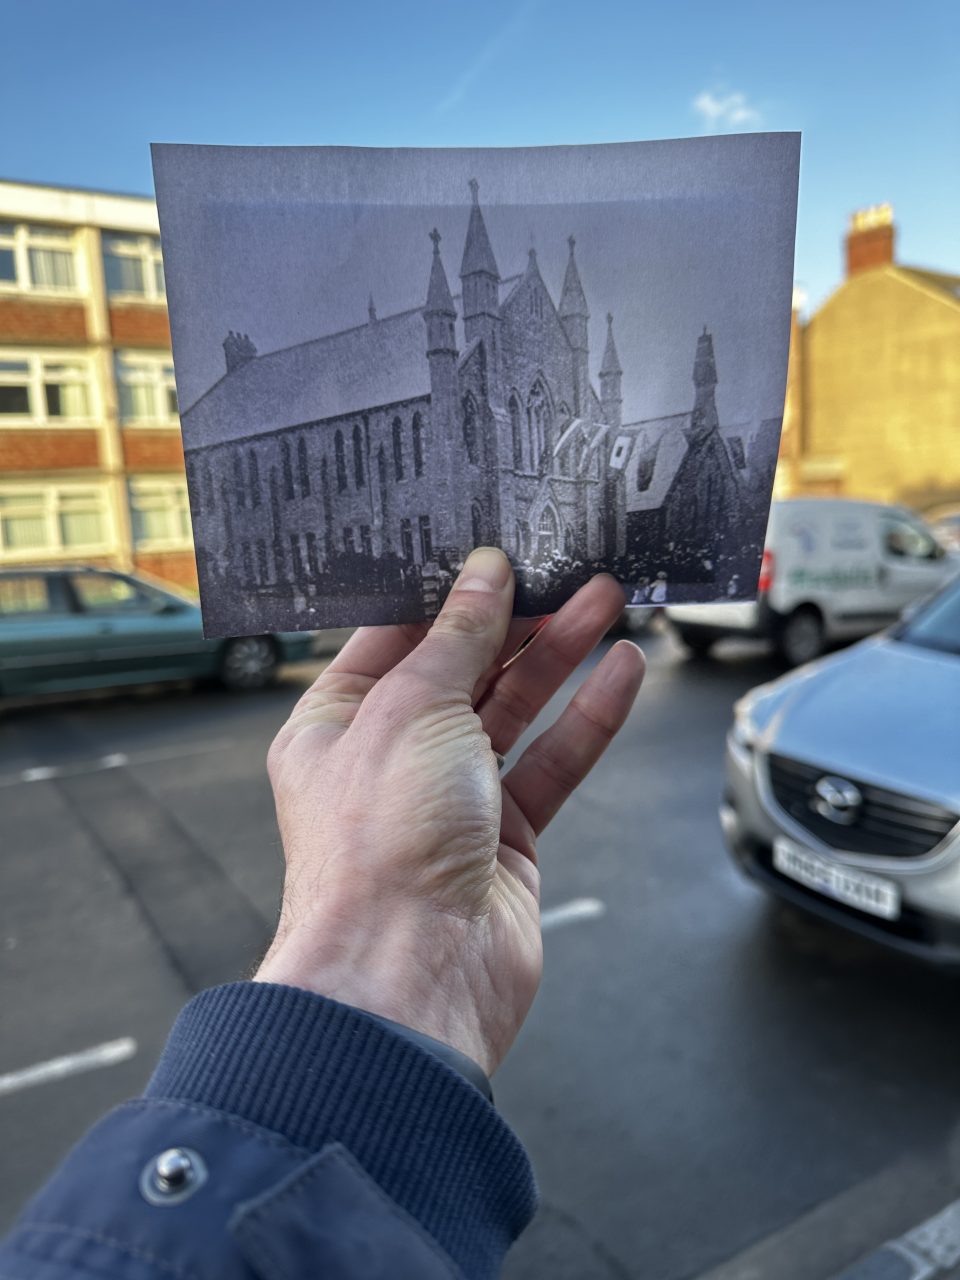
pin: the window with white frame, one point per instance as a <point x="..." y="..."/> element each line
<point x="44" y="519"/>
<point x="49" y="389"/>
<point x="160" y="512"/>
<point x="133" y="266"/>
<point x="40" y="259"/>
<point x="146" y="388"/>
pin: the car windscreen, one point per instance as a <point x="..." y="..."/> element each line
<point x="937" y="625"/>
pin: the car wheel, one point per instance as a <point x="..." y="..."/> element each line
<point x="249" y="662"/>
<point x="801" y="636"/>
<point x="698" y="644"/>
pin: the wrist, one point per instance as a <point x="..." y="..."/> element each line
<point x="385" y="975"/>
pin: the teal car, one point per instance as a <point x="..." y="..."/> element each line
<point x="85" y="628"/>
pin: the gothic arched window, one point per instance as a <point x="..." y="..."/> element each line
<point x="539" y="421"/>
<point x="645" y="465"/>
<point x="398" y="448"/>
<point x="303" y="467"/>
<point x="253" y="468"/>
<point x="340" y="457"/>
<point x="287" y="460"/>
<point x="382" y="472"/>
<point x="470" y="427"/>
<point x="239" y="484"/>
<point x="358" y="456"/>
<point x="476" y="522"/>
<point x="516" y="431"/>
<point x="548" y="533"/>
<point x="417" y="432"/>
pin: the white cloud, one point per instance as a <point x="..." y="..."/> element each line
<point x="722" y="111"/>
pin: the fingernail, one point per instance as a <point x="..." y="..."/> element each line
<point x="486" y="569"/>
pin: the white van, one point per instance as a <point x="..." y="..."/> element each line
<point x="833" y="569"/>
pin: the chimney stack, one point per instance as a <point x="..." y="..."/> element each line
<point x="237" y="350"/>
<point x="870" y="239"/>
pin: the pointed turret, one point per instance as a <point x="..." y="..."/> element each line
<point x="704" y="364"/>
<point x="704" y="418"/>
<point x="477" y="251"/>
<point x="573" y="302"/>
<point x="439" y="298"/>
<point x="480" y="278"/>
<point x="610" y="379"/>
<point x="440" y="316"/>
<point x="574" y="316"/>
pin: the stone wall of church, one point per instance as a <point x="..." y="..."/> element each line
<point x="280" y="507"/>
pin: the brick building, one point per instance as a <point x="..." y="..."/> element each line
<point x="91" y="464"/>
<point x="873" y="385"/>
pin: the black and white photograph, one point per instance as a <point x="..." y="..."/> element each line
<point x="385" y="358"/>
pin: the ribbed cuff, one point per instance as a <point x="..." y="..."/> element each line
<point x="316" y="1071"/>
<point x="463" y="1065"/>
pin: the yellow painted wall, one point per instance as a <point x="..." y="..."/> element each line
<point x="880" y="405"/>
<point x="791" y="431"/>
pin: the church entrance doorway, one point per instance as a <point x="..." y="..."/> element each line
<point x="548" y="533"/>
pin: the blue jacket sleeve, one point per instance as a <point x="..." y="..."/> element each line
<point x="311" y="1140"/>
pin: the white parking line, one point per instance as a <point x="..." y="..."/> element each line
<point x="101" y="1055"/>
<point x="571" y="912"/>
<point x="115" y="760"/>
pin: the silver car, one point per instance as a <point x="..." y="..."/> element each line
<point x="843" y="784"/>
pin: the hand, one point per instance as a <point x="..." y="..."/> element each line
<point x="412" y="888"/>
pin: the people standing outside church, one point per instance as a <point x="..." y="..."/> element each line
<point x="333" y="1116"/>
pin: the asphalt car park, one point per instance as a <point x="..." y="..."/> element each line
<point x="707" y="1079"/>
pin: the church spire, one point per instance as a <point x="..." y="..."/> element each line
<point x="704" y="365"/>
<point x="477" y="250"/>
<point x="480" y="278"/>
<point x="611" y="361"/>
<point x="574" y="316"/>
<point x="611" y="399"/>
<point x="572" y="300"/>
<point x="439" y="298"/>
<point x="704" y="419"/>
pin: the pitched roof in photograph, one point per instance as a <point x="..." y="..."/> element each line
<point x="378" y="363"/>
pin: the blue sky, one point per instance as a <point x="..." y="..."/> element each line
<point x="875" y="88"/>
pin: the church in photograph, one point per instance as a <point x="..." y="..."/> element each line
<point x="390" y="449"/>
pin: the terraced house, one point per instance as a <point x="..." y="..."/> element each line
<point x="91" y="464"/>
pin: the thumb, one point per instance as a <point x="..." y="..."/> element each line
<point x="470" y="629"/>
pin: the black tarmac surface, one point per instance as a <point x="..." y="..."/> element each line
<point x="707" y="1084"/>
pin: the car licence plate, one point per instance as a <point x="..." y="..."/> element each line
<point x="873" y="894"/>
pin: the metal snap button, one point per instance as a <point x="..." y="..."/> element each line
<point x="172" y="1176"/>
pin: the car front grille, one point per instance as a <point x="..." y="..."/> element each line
<point x="887" y="824"/>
